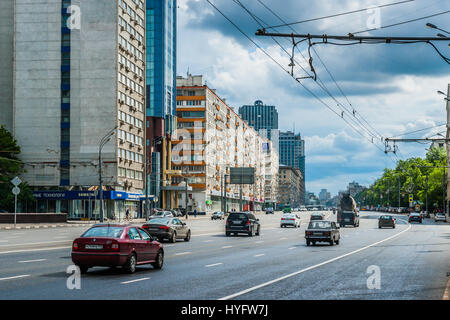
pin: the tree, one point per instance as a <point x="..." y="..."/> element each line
<point x="10" y="166"/>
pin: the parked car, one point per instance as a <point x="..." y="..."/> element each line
<point x="386" y="221"/>
<point x="439" y="217"/>
<point x="111" y="245"/>
<point x="168" y="228"/>
<point x="322" y="231"/>
<point x="290" y="219"/>
<point x="317" y="216"/>
<point x="242" y="222"/>
<point x="218" y="215"/>
<point x="414" y="216"/>
<point x="162" y="214"/>
<point x="269" y="210"/>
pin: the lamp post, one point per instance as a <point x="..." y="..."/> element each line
<point x="432" y="26"/>
<point x="155" y="141"/>
<point x="103" y="141"/>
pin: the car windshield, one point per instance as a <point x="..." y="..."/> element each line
<point x="159" y="221"/>
<point x="319" y="225"/>
<point x="107" y="232"/>
<point x="288" y="215"/>
<point x="237" y="216"/>
<point x="386" y="217"/>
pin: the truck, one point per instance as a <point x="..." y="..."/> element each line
<point x="347" y="213"/>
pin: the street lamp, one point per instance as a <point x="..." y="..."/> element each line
<point x="155" y="141"/>
<point x="103" y="141"/>
<point x="446" y="96"/>
<point x="432" y="26"/>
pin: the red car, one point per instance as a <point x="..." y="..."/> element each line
<point x="116" y="245"/>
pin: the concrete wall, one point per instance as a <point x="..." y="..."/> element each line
<point x="6" y="63"/>
<point x="37" y="87"/>
<point x="93" y="90"/>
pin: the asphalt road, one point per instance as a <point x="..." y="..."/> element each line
<point x="413" y="262"/>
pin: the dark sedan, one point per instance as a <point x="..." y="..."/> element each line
<point x="322" y="231"/>
<point x="116" y="245"/>
<point x="386" y="221"/>
<point x="168" y="228"/>
<point x="417" y="217"/>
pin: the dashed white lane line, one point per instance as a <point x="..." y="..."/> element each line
<point x="259" y="255"/>
<point x="4" y="240"/>
<point x="261" y="241"/>
<point x="291" y="248"/>
<point x="226" y="247"/>
<point x="32" y="250"/>
<point x="15" y="277"/>
<point x="283" y="238"/>
<point x="213" y="265"/>
<point x="311" y="267"/>
<point x="31" y="243"/>
<point x="208" y="241"/>
<point x="36" y="260"/>
<point x="136" y="280"/>
<point x="169" y="245"/>
<point x="182" y="253"/>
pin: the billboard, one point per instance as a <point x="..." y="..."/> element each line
<point x="242" y="175"/>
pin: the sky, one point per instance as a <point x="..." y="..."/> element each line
<point x="391" y="87"/>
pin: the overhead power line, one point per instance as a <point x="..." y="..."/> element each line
<point x="428" y="128"/>
<point x="338" y="14"/>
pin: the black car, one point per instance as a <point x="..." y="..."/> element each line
<point x="417" y="217"/>
<point x="218" y="215"/>
<point x="242" y="222"/>
<point x="322" y="231"/>
<point x="167" y="228"/>
<point x="386" y="221"/>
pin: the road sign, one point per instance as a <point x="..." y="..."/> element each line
<point x="411" y="198"/>
<point x="242" y="175"/>
<point x="16" y="191"/>
<point x="16" y="181"/>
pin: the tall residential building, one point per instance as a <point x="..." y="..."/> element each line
<point x="264" y="119"/>
<point x="161" y="45"/>
<point x="77" y="72"/>
<point x="291" y="190"/>
<point x="354" y="188"/>
<point x="212" y="138"/>
<point x="292" y="150"/>
<point x="324" y="195"/>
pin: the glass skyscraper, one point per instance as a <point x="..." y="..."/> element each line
<point x="292" y="151"/>
<point x="161" y="24"/>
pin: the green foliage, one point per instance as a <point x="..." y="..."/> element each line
<point x="10" y="166"/>
<point x="410" y="177"/>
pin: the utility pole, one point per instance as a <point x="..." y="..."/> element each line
<point x="426" y="194"/>
<point x="447" y="148"/>
<point x="399" y="192"/>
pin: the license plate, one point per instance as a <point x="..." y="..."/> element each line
<point x="94" y="246"/>
<point x="317" y="233"/>
<point x="236" y="222"/>
<point x="347" y="219"/>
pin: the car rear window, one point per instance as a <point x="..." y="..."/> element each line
<point x="386" y="217"/>
<point x="159" y="221"/>
<point x="107" y="232"/>
<point x="319" y="225"/>
<point x="237" y="216"/>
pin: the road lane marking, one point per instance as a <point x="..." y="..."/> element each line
<point x="169" y="245"/>
<point x="4" y="240"/>
<point x="310" y="268"/>
<point x="32" y="243"/>
<point x="291" y="248"/>
<point x="15" y="277"/>
<point x="261" y="241"/>
<point x="131" y="281"/>
<point x="208" y="241"/>
<point x="259" y="255"/>
<point x="182" y="253"/>
<point x="226" y="247"/>
<point x="36" y="260"/>
<point x="283" y="238"/>
<point x="446" y="295"/>
<point x="32" y="250"/>
<point x="213" y="265"/>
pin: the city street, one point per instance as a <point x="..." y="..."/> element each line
<point x="413" y="259"/>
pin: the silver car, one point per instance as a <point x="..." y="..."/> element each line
<point x="439" y="217"/>
<point x="290" y="219"/>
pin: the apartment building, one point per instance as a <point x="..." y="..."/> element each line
<point x="78" y="72"/>
<point x="212" y="138"/>
<point x="291" y="187"/>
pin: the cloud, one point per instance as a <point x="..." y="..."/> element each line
<point x="393" y="87"/>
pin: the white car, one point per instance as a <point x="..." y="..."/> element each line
<point x="290" y="219"/>
<point x="439" y="217"/>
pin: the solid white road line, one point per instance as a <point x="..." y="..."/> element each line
<point x="131" y="281"/>
<point x="208" y="241"/>
<point x="291" y="248"/>
<point x="310" y="268"/>
<point x="31" y="243"/>
<point x="27" y="261"/>
<point x="213" y="265"/>
<point x="446" y="295"/>
<point x="226" y="247"/>
<point x="15" y="277"/>
<point x="259" y="255"/>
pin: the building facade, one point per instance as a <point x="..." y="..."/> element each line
<point x="212" y="138"/>
<point x="354" y="188"/>
<point x="78" y="74"/>
<point x="292" y="151"/>
<point x="324" y="196"/>
<point x="291" y="189"/>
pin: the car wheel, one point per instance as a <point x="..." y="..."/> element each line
<point x="308" y="243"/>
<point x="227" y="234"/>
<point x="337" y="241"/>
<point x="393" y="227"/>
<point x="173" y="239"/>
<point x="250" y="233"/>
<point x="83" y="269"/>
<point x="331" y="242"/>
<point x="379" y="227"/>
<point x="159" y="260"/>
<point x="257" y="233"/>
<point x="313" y="243"/>
<point x="188" y="236"/>
<point x="130" y="266"/>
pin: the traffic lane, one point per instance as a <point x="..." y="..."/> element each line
<point x="412" y="266"/>
<point x="45" y="276"/>
<point x="191" y="276"/>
